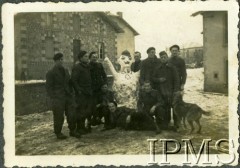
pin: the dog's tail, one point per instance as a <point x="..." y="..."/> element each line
<point x="206" y="113"/>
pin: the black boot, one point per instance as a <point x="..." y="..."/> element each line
<point x="75" y="134"/>
<point x="89" y="129"/>
<point x="61" y="136"/>
<point x="82" y="131"/>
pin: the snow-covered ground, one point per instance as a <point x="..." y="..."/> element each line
<point x="34" y="133"/>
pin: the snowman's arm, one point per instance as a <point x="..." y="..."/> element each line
<point x="111" y="67"/>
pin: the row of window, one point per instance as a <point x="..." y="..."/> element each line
<point x="49" y="48"/>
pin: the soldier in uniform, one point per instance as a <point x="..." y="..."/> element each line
<point x="167" y="80"/>
<point x="151" y="103"/>
<point x="148" y="65"/>
<point x="129" y="119"/>
<point x="104" y="97"/>
<point x="135" y="66"/>
<point x="99" y="78"/>
<point x="82" y="83"/>
<point x="59" y="89"/>
<point x="180" y="65"/>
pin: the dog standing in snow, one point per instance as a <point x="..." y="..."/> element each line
<point x="188" y="111"/>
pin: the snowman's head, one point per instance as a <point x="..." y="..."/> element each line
<point x="124" y="60"/>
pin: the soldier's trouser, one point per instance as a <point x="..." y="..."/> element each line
<point x="59" y="107"/>
<point x="104" y="112"/>
<point x="94" y="104"/>
<point x="161" y="117"/>
<point x="83" y="110"/>
<point x="175" y="118"/>
<point x="168" y="107"/>
<point x="167" y="116"/>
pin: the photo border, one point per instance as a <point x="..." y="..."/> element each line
<point x="2" y="141"/>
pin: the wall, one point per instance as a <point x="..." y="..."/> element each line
<point x="125" y="41"/>
<point x="39" y="35"/>
<point x="32" y="97"/>
<point x="215" y="52"/>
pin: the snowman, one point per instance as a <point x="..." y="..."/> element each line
<point x="125" y="83"/>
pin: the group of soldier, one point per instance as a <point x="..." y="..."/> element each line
<point x="77" y="95"/>
<point x="161" y="79"/>
<point x="84" y="95"/>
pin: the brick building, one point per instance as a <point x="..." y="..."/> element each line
<point x="39" y="35"/>
<point x="215" y="50"/>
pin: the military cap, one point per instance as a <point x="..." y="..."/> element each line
<point x="175" y="46"/>
<point x="162" y="53"/>
<point x="150" y="48"/>
<point x="81" y="54"/>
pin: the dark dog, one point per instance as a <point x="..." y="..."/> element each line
<point x="188" y="111"/>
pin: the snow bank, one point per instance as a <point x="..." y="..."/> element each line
<point x="29" y="81"/>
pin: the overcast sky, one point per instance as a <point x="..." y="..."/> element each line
<point x="159" y="24"/>
<point x="161" y="29"/>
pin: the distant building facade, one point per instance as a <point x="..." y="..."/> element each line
<point x="124" y="41"/>
<point x="215" y="50"/>
<point x="192" y="55"/>
<point x="38" y="36"/>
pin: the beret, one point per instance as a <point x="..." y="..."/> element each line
<point x="162" y="53"/>
<point x="175" y="46"/>
<point x="81" y="54"/>
<point x="150" y="48"/>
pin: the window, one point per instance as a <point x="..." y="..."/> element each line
<point x="49" y="47"/>
<point x="215" y="75"/>
<point x="49" y="19"/>
<point x="76" y="49"/>
<point x="76" y="23"/>
<point x="101" y="50"/>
